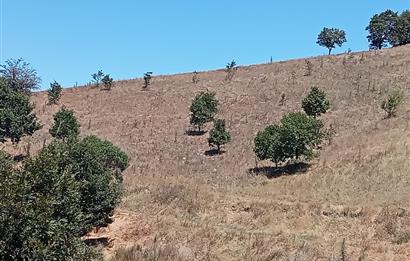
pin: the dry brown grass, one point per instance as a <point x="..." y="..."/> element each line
<point x="180" y="204"/>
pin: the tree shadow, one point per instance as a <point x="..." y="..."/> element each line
<point x="214" y="152"/>
<point x="275" y="172"/>
<point x="97" y="241"/>
<point x="19" y="157"/>
<point x="195" y="132"/>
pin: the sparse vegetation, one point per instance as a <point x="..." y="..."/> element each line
<point x="107" y="82"/>
<point x="392" y="102"/>
<point x="203" y="109"/>
<point x="147" y="79"/>
<point x="16" y="113"/>
<point x="219" y="136"/>
<point x="65" y="126"/>
<point x="308" y="68"/>
<point x="20" y="76"/>
<point x="54" y="93"/>
<point x="97" y="77"/>
<point x="330" y="37"/>
<point x="230" y="70"/>
<point x="195" y="78"/>
<point x="315" y="103"/>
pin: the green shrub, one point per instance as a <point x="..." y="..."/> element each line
<point x="54" y="93"/>
<point x="268" y="145"/>
<point x="219" y="135"/>
<point x="107" y="82"/>
<point x="296" y="137"/>
<point x="40" y="217"/>
<point x="203" y="109"/>
<point x="65" y="125"/>
<point x="98" y="165"/>
<point x="315" y="103"/>
<point x="16" y="114"/>
<point x="55" y="198"/>
<point x="392" y="102"/>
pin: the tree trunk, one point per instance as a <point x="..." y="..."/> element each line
<point x="330" y="50"/>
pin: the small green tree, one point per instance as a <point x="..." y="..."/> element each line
<point x="97" y="77"/>
<point x="219" y="135"/>
<point x="330" y="37"/>
<point x="297" y="136"/>
<point x="392" y="102"/>
<point x="107" y="82"/>
<point x="54" y="93"/>
<point x="381" y="28"/>
<point x="315" y="103"/>
<point x="16" y="114"/>
<point x="203" y="109"/>
<point x="300" y="135"/>
<point x="268" y="145"/>
<point x="65" y="125"/>
<point x="20" y="76"/>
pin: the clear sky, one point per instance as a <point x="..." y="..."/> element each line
<point x="68" y="40"/>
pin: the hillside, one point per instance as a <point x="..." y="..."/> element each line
<point x="180" y="203"/>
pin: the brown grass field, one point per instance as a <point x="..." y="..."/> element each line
<point x="351" y="203"/>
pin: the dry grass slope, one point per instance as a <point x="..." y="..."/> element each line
<point x="179" y="204"/>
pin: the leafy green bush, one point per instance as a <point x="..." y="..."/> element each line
<point x="98" y="165"/>
<point x="203" y="109"/>
<point x="65" y="125"/>
<point x="392" y="102"/>
<point x="315" y="103"/>
<point x="54" y="93"/>
<point x="16" y="114"/>
<point x="219" y="135"/>
<point x="297" y="136"/>
<point x="56" y="197"/>
<point x="330" y="37"/>
<point x="40" y="217"/>
<point x="107" y="82"/>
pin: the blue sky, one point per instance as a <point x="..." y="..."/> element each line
<point x="67" y="41"/>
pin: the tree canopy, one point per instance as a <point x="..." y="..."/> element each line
<point x="20" y="75"/>
<point x="203" y="109"/>
<point x="16" y="113"/>
<point x="330" y="37"/>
